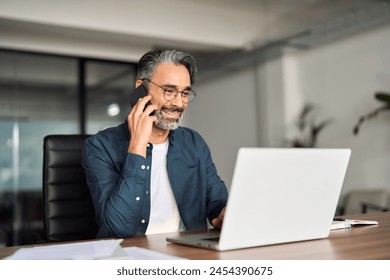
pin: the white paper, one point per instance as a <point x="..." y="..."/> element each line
<point x="75" y="251"/>
<point x="347" y="223"/>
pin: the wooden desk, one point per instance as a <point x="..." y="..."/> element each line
<point x="368" y="242"/>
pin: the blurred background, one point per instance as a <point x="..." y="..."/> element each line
<point x="273" y="73"/>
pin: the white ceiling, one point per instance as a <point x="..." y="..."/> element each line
<point x="222" y="34"/>
<point x="120" y="29"/>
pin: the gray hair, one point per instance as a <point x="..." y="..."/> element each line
<point x="148" y="62"/>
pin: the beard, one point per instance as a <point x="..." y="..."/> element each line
<point x="168" y="123"/>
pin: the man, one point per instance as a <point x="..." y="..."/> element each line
<point x="149" y="175"/>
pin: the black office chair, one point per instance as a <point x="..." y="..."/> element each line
<point x="67" y="204"/>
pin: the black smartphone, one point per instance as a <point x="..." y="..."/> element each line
<point x="138" y="93"/>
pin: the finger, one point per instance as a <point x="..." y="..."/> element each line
<point x="217" y="223"/>
<point x="149" y="109"/>
<point x="141" y="103"/>
<point x="144" y="119"/>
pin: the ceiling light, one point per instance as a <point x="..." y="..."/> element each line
<point x="113" y="110"/>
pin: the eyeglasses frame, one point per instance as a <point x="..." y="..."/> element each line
<point x="177" y="92"/>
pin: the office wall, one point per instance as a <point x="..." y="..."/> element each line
<point x="252" y="106"/>
<point x="224" y="112"/>
<point x="259" y="105"/>
<point x="342" y="78"/>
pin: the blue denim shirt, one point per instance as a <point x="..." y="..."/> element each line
<point x="120" y="181"/>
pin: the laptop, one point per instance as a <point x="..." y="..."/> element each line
<point x="278" y="195"/>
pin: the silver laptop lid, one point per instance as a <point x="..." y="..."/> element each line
<point x="282" y="195"/>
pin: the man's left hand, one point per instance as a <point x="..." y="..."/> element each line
<point x="217" y="222"/>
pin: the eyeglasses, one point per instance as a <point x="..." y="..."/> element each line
<point x="170" y="93"/>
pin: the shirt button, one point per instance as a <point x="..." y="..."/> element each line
<point x="147" y="192"/>
<point x="137" y="198"/>
<point x="143" y="167"/>
<point x="143" y="221"/>
<point x="148" y="145"/>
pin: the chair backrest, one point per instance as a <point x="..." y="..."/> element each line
<point x="67" y="204"/>
<point x="356" y="199"/>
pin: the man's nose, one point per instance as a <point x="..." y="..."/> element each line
<point x="178" y="101"/>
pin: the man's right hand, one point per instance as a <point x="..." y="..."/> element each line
<point x="140" y="126"/>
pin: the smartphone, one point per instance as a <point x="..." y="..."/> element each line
<point x="138" y="93"/>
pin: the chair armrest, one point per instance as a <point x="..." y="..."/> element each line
<point x="366" y="206"/>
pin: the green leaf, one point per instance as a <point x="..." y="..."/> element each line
<point x="383" y="96"/>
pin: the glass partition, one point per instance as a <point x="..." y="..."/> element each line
<point x="108" y="85"/>
<point x="40" y="95"/>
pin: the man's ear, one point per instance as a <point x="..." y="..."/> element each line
<point x="138" y="83"/>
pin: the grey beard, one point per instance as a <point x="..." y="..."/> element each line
<point x="167" y="124"/>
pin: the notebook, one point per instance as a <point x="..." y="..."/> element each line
<point x="278" y="195"/>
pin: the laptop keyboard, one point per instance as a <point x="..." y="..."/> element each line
<point x="216" y="239"/>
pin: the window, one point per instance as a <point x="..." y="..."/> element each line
<point x="108" y="87"/>
<point x="46" y="94"/>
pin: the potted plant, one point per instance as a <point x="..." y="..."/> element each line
<point x="308" y="127"/>
<point x="382" y="97"/>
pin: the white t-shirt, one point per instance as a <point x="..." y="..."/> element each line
<point x="164" y="215"/>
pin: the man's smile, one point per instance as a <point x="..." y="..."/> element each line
<point x="172" y="112"/>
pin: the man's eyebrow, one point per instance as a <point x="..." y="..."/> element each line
<point x="175" y="86"/>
